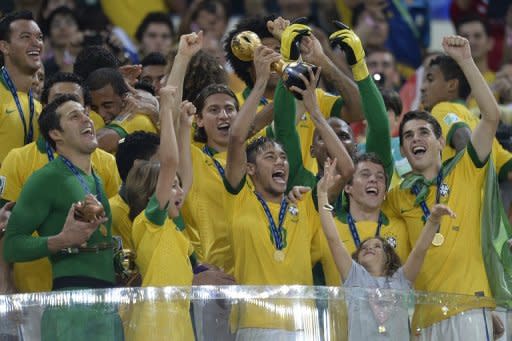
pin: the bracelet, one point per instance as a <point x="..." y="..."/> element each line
<point x="328" y="207"/>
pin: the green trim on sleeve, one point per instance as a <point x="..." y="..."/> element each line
<point x="336" y="107"/>
<point x="269" y="131"/>
<point x="474" y="156"/>
<point x="452" y="131"/>
<point x="230" y="188"/>
<point x="118" y="129"/>
<point x="504" y="170"/>
<point x="3" y="202"/>
<point x="179" y="222"/>
<point x="193" y="259"/>
<point x="153" y="212"/>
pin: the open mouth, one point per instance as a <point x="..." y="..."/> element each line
<point x="178" y="203"/>
<point x="34" y="53"/>
<point x="419" y="150"/>
<point x="279" y="177"/>
<point x="372" y="191"/>
<point x="224" y="127"/>
<point x="87" y="131"/>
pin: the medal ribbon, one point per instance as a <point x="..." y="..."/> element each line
<point x="81" y="179"/>
<point x="219" y="167"/>
<point x="28" y="133"/>
<point x="49" y="151"/>
<point x="353" y="229"/>
<point x="277" y="231"/>
<point x="423" y="204"/>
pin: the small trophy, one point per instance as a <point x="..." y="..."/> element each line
<point x="243" y="46"/>
<point x="89" y="209"/>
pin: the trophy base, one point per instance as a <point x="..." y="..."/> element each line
<point x="291" y="76"/>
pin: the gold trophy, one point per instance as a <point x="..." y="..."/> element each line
<point x="243" y="46"/>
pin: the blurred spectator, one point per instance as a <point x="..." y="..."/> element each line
<point x="155" y="34"/>
<point x="153" y="70"/>
<point x="382" y="66"/>
<point x="65" y="39"/>
<point x="92" y="58"/>
<point x="494" y="11"/>
<point x="38" y="83"/>
<point x="210" y="16"/>
<point x="370" y="26"/>
<point x="202" y="71"/>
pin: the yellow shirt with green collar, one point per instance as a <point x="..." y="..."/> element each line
<point x="129" y="123"/>
<point x="254" y="254"/>
<point x="457" y="265"/>
<point x="454" y="115"/>
<point x="330" y="106"/>
<point x="162" y="250"/>
<point x="18" y="166"/>
<point x="203" y="210"/>
<point x="12" y="133"/>
<point x="121" y="223"/>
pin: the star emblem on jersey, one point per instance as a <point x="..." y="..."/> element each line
<point x="391" y="241"/>
<point x="444" y="190"/>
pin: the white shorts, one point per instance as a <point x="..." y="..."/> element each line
<point x="473" y="324"/>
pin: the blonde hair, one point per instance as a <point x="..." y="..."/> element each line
<point x="140" y="185"/>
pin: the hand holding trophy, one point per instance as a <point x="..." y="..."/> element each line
<point x="244" y="44"/>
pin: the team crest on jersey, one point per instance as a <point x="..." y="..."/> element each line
<point x="2" y="184"/>
<point x="444" y="190"/>
<point x="391" y="241"/>
<point x="294" y="213"/>
<point x="451" y="118"/>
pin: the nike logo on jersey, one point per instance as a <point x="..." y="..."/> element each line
<point x="9" y="111"/>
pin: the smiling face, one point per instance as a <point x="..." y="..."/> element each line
<point x="435" y="88"/>
<point x="368" y="186"/>
<point x="218" y="111"/>
<point x="372" y="255"/>
<point x="269" y="172"/>
<point x="343" y="131"/>
<point x="106" y="103"/>
<point x="76" y="131"/>
<point x="420" y="145"/>
<point x="153" y="74"/>
<point x="25" y="46"/>
<point x="176" y="199"/>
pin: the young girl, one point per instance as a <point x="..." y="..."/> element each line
<point x="375" y="265"/>
<point x="155" y="196"/>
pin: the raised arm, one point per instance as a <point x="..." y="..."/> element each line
<point x="236" y="158"/>
<point x="413" y="264"/>
<point x="339" y="252"/>
<point x="335" y="148"/>
<point x="168" y="151"/>
<point x="483" y="135"/>
<point x="185" y="170"/>
<point x="313" y="53"/>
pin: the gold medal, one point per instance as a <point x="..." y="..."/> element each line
<point x="103" y="230"/>
<point x="382" y="329"/>
<point x="438" y="239"/>
<point x="279" y="256"/>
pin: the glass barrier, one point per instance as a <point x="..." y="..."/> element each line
<point x="244" y="313"/>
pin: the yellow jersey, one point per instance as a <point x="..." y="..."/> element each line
<point x="457" y="265"/>
<point x="330" y="106"/>
<point x="163" y="260"/>
<point x="121" y="223"/>
<point x="203" y="210"/>
<point x="255" y="257"/>
<point x="127" y="124"/>
<point x="454" y="115"/>
<point x="97" y="120"/>
<point x="12" y="132"/>
<point x="20" y="163"/>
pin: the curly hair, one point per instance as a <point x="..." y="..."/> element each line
<point x="393" y="261"/>
<point x="257" y="25"/>
<point x="203" y="70"/>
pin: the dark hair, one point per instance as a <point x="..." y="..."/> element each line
<point x="392" y="101"/>
<point x="379" y="49"/>
<point x="145" y="86"/>
<point x="393" y="262"/>
<point x="107" y="76"/>
<point x="202" y="71"/>
<point x="62" y="10"/>
<point x="150" y="18"/>
<point x="64" y="77"/>
<point x="93" y="58"/>
<point x="257" y="25"/>
<point x="259" y="145"/>
<point x="8" y="19"/>
<point x="419" y="115"/>
<point x="195" y="8"/>
<point x="473" y="18"/>
<point x="212" y="89"/>
<point x="50" y="120"/>
<point x="139" y="145"/>
<point x="153" y="58"/>
<point x="140" y="185"/>
<point x="451" y="70"/>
